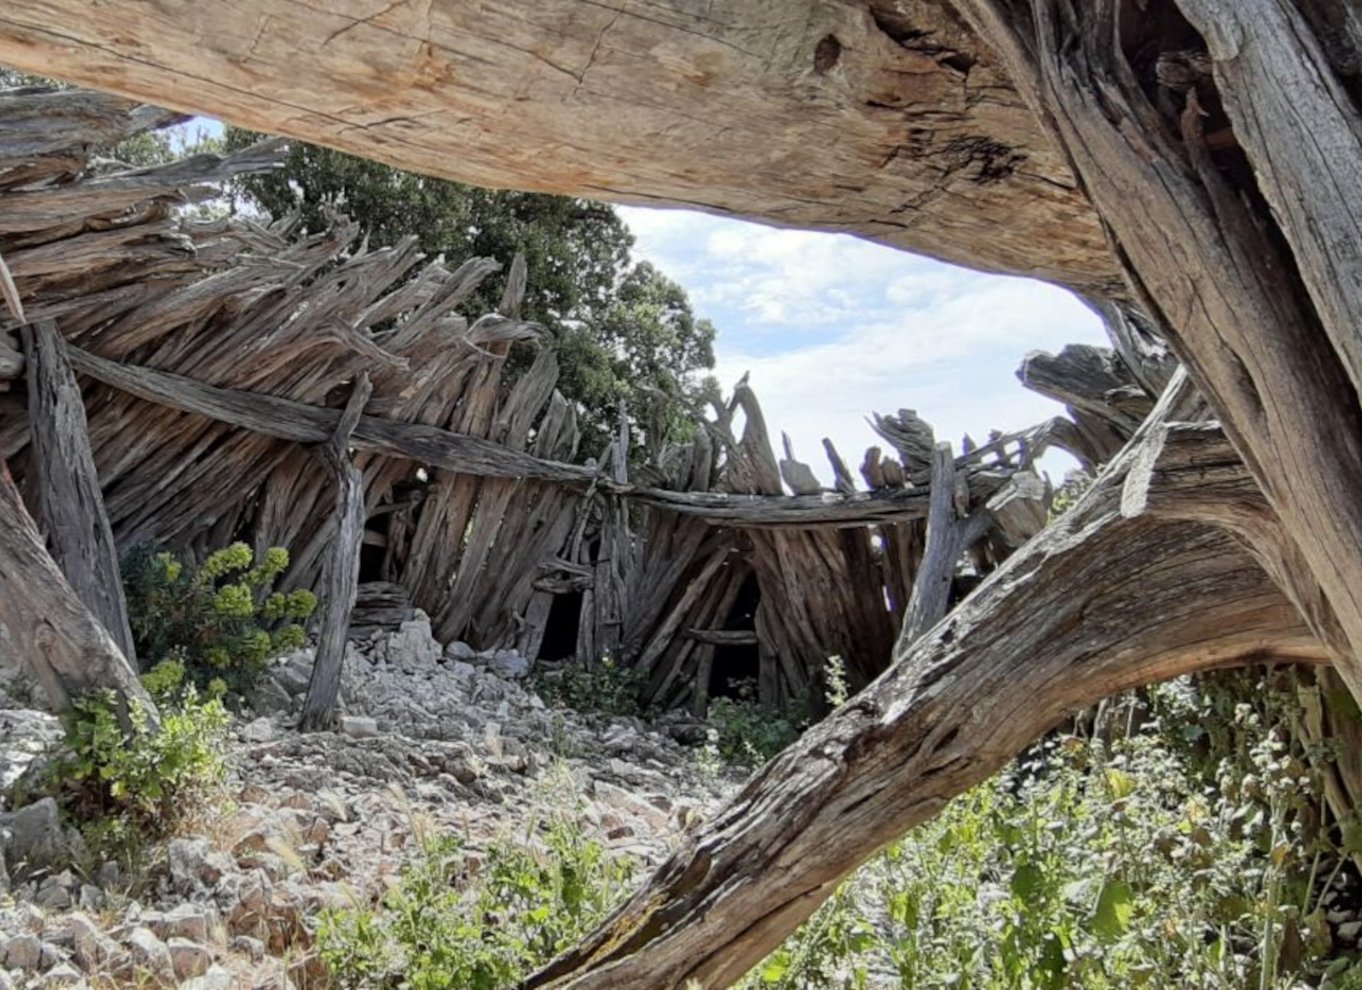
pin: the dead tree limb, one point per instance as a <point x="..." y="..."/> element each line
<point x="1096" y="604"/>
<point x="342" y="569"/>
<point x="302" y="422"/>
<point x="69" y="496"/>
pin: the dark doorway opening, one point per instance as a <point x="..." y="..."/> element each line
<point x="737" y="665"/>
<point x="371" y="557"/>
<point x="560" y="628"/>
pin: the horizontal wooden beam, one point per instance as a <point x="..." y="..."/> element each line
<point x="723" y="637"/>
<point x="301" y="422"/>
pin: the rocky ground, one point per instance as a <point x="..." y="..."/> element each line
<point x="430" y="738"/>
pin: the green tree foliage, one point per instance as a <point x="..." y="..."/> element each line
<point x="625" y="331"/>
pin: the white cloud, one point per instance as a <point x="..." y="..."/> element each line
<point x="833" y="328"/>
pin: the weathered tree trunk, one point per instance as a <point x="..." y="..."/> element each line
<point x="1261" y="335"/>
<point x="43" y="623"/>
<point x="897" y="125"/>
<point x="1098" y="603"/>
<point x="69" y="497"/>
<point x="341" y="577"/>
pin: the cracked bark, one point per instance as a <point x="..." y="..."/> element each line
<point x="735" y="115"/>
<point x="44" y="627"/>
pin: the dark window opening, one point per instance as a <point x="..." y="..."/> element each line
<point x="371" y="557"/>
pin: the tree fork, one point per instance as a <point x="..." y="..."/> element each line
<point x="341" y="580"/>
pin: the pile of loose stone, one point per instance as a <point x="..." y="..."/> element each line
<point x="430" y="738"/>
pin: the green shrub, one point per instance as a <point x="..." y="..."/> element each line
<point x="125" y="787"/>
<point x="446" y="928"/>
<point x="220" y="620"/>
<point x="748" y="733"/>
<point x="1100" y="865"/>
<point x="608" y="686"/>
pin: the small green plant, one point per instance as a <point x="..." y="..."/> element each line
<point x="607" y="686"/>
<point x="125" y="786"/>
<point x="1073" y="488"/>
<point x="220" y="620"/>
<point x="445" y="927"/>
<point x="748" y="733"/>
<point x="836" y="684"/>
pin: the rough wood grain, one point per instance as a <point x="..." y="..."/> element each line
<point x="69" y="496"/>
<point x="45" y="629"/>
<point x="342" y="567"/>
<point x="928" y="602"/>
<point x="889" y="120"/>
<point x="1213" y="267"/>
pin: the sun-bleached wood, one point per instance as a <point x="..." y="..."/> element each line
<point x="341" y="575"/>
<point x="45" y="628"/>
<point x="886" y="119"/>
<point x="69" y="496"/>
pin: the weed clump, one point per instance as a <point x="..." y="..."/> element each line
<point x="444" y="927"/>
<point x="125" y="785"/>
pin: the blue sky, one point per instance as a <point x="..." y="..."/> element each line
<point x="832" y="328"/>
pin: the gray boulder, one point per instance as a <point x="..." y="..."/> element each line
<point x="32" y="837"/>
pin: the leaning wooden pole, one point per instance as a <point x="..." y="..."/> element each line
<point x="44" y="625"/>
<point x="1098" y="603"/>
<point x="341" y="579"/>
<point x="69" y="495"/>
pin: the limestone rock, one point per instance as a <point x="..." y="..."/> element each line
<point x="509" y="664"/>
<point x="26" y="736"/>
<point x="293" y="671"/>
<point x="61" y="975"/>
<point x="149" y="953"/>
<point x="195" y="863"/>
<point x="261" y="730"/>
<point x="23" y="951"/>
<point x="358" y="727"/>
<point x="188" y="959"/>
<point x="458" y="650"/>
<point x="33" y="836"/>
<point x="216" y="978"/>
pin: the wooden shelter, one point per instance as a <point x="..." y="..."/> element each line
<point x="213" y="354"/>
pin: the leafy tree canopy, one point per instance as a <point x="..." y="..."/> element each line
<point x="625" y="331"/>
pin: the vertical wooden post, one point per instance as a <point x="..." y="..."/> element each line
<point x="69" y="496"/>
<point x="341" y="579"/>
<point x="930" y="597"/>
